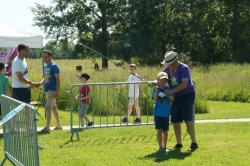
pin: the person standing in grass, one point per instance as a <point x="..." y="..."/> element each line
<point x="51" y="83"/>
<point x="161" y="110"/>
<point x="84" y="100"/>
<point x="21" y="85"/>
<point x="133" y="94"/>
<point x="182" y="87"/>
<point x="4" y="83"/>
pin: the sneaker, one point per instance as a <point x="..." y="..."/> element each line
<point x="164" y="150"/>
<point x="40" y="147"/>
<point x="193" y="147"/>
<point x="167" y="150"/>
<point x="161" y="150"/>
<point x="45" y="130"/>
<point x="178" y="146"/>
<point x="90" y="123"/>
<point x="137" y="120"/>
<point x="125" y="120"/>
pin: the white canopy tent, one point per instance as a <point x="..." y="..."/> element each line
<point x="10" y="37"/>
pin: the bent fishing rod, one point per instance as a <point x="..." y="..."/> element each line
<point x="111" y="61"/>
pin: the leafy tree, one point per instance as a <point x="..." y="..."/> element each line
<point x="89" y="22"/>
<point x="207" y="31"/>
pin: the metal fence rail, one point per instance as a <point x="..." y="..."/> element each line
<point x="20" y="132"/>
<point x="109" y="106"/>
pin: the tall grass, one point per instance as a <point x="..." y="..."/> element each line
<point x="221" y="82"/>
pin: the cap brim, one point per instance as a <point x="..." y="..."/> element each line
<point x="78" y="75"/>
<point x="163" y="78"/>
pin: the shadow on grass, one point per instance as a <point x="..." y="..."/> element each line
<point x="160" y="156"/>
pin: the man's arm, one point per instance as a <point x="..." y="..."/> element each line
<point x="179" y="88"/>
<point x="24" y="80"/>
<point x="57" y="84"/>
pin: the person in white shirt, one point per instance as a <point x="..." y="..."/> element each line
<point x="133" y="94"/>
<point x="21" y="85"/>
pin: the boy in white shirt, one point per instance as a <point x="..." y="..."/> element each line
<point x="133" y="94"/>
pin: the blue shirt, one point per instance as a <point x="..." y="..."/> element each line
<point x="162" y="105"/>
<point x="49" y="76"/>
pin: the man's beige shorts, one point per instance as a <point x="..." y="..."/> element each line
<point x="50" y="101"/>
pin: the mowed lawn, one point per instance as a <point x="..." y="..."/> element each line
<point x="219" y="143"/>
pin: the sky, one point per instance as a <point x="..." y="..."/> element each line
<point x="17" y="15"/>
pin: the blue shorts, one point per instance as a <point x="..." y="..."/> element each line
<point x="22" y="94"/>
<point x="162" y="123"/>
<point x="82" y="109"/>
<point x="182" y="108"/>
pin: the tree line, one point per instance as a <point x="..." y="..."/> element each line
<point x="203" y="31"/>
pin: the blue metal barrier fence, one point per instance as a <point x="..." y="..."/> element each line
<point x="108" y="106"/>
<point x="19" y="132"/>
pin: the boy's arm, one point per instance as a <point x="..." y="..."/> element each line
<point x="120" y="87"/>
<point x="155" y="97"/>
<point x="85" y="97"/>
<point x="141" y="89"/>
<point x="7" y="91"/>
<point x="88" y="96"/>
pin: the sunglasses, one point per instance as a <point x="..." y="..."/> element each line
<point x="26" y="50"/>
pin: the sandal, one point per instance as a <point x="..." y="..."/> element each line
<point x="58" y="128"/>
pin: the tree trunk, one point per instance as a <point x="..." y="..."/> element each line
<point x="234" y="33"/>
<point x="104" y="38"/>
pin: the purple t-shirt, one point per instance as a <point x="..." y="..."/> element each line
<point x="175" y="79"/>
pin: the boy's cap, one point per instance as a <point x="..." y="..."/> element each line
<point x="132" y="65"/>
<point x="2" y="65"/>
<point x="161" y="74"/>
<point x="84" y="75"/>
<point x="164" y="77"/>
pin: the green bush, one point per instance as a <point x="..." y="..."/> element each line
<point x="201" y="107"/>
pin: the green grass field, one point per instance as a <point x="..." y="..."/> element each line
<point x="220" y="143"/>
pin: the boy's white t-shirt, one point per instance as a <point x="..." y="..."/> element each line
<point x="19" y="65"/>
<point x="133" y="88"/>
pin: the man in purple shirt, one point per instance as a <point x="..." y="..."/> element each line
<point x="183" y="90"/>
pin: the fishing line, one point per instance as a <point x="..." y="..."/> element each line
<point x="112" y="61"/>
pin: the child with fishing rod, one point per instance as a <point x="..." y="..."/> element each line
<point x="162" y="105"/>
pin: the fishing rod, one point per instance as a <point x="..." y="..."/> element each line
<point x="111" y="61"/>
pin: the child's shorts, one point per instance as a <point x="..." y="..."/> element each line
<point x="133" y="101"/>
<point x="162" y="123"/>
<point x="82" y="109"/>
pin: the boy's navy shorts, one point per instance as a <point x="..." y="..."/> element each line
<point x="182" y="108"/>
<point x="162" y="123"/>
